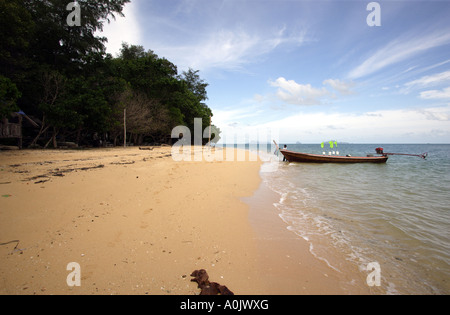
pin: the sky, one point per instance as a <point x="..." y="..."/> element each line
<point x="307" y="71"/>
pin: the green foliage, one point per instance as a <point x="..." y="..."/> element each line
<point x="67" y="80"/>
<point x="195" y="84"/>
<point x="8" y="97"/>
<point x="64" y="46"/>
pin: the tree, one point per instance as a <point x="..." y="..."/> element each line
<point x="53" y="50"/>
<point x="52" y="85"/>
<point x="62" y="74"/>
<point x="50" y="44"/>
<point x="16" y="32"/>
<point x="195" y="84"/>
<point x="8" y="97"/>
<point x="63" y="46"/>
<point x="197" y="88"/>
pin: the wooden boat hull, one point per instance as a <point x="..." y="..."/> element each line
<point x="315" y="158"/>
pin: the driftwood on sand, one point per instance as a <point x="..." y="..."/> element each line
<point x="208" y="288"/>
<point x="60" y="173"/>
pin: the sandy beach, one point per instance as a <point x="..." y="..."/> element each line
<point x="138" y="222"/>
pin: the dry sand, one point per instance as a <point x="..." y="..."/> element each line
<point x="137" y="222"/>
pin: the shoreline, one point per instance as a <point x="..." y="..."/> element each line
<point x="287" y="261"/>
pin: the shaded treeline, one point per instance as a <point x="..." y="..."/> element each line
<point x="62" y="77"/>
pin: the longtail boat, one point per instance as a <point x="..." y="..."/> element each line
<point x="316" y="158"/>
<point x="292" y="156"/>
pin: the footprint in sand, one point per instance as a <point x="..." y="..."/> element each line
<point x="144" y="225"/>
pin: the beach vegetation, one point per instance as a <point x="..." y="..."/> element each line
<point x="8" y="96"/>
<point x="61" y="76"/>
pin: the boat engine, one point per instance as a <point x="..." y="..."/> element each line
<point x="379" y="150"/>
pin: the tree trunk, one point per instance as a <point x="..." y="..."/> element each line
<point x="41" y="132"/>
<point x="52" y="139"/>
<point x="55" y="133"/>
<point x="78" y="136"/>
<point x="129" y="140"/>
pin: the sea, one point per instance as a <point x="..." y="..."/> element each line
<point x="393" y="217"/>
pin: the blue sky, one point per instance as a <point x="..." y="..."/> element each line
<point x="308" y="70"/>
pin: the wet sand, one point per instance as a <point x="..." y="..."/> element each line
<point x="286" y="261"/>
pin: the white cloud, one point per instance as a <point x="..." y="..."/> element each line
<point x="123" y="29"/>
<point x="436" y="94"/>
<point x="436" y="65"/>
<point x="294" y="93"/>
<point x="227" y="49"/>
<point x="437" y="113"/>
<point x="384" y="126"/>
<point x="224" y="49"/>
<point x="434" y="80"/>
<point x="233" y="116"/>
<point x="345" y="88"/>
<point x="430" y="80"/>
<point x="204" y="44"/>
<point x="414" y="125"/>
<point x="398" y="50"/>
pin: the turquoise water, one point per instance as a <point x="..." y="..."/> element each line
<point x="396" y="214"/>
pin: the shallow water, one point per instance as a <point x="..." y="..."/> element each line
<point x="396" y="214"/>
